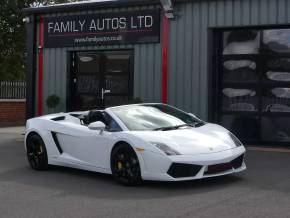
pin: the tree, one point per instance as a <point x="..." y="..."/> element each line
<point x="52" y="102"/>
<point x="12" y="36"/>
<point x="12" y="41"/>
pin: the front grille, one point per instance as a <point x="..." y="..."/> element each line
<point x="220" y="168"/>
<point x="179" y="170"/>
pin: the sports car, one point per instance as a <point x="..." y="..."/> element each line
<point x="134" y="143"/>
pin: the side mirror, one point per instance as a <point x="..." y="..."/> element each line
<point x="97" y="126"/>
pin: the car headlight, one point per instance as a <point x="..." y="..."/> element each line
<point x="237" y="142"/>
<point x="166" y="149"/>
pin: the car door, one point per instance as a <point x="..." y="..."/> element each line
<point x="87" y="147"/>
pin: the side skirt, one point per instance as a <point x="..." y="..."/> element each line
<point x="57" y="162"/>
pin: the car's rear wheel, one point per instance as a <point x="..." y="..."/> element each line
<point x="36" y="152"/>
<point x="125" y="165"/>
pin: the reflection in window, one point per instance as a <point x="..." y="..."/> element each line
<point x="117" y="64"/>
<point x="237" y="64"/>
<point x="87" y="101"/>
<point x="117" y="84"/>
<point x="261" y="71"/>
<point x="117" y="69"/>
<point x="278" y="76"/>
<point x="277" y="40"/>
<point x="245" y="127"/>
<point x="282" y="64"/>
<point x="87" y="84"/>
<point x="116" y="100"/>
<point x="239" y="100"/>
<point x="240" y="71"/>
<point x="86" y="59"/>
<point x="276" y="100"/>
<point x="276" y="129"/>
<point x="88" y="63"/>
<point x="281" y="92"/>
<point x="279" y="69"/>
<point x="241" y="42"/>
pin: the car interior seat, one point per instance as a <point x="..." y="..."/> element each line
<point x="94" y="116"/>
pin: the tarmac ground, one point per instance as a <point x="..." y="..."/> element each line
<point x="263" y="190"/>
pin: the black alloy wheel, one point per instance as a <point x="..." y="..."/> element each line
<point x="36" y="152"/>
<point x="125" y="165"/>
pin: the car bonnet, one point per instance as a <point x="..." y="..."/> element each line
<point x="188" y="141"/>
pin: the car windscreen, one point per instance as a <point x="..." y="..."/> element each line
<point x="152" y="117"/>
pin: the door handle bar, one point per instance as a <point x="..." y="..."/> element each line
<point x="105" y="91"/>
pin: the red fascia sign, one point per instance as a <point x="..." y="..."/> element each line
<point x="165" y="48"/>
<point x="40" y="66"/>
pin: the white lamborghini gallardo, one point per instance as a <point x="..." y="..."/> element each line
<point x="134" y="143"/>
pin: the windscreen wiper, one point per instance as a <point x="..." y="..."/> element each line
<point x="172" y="127"/>
<point x="199" y="124"/>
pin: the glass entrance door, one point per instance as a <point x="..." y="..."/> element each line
<point x="101" y="79"/>
<point x="116" y="78"/>
<point x="87" y="81"/>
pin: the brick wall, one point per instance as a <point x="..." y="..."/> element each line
<point x="12" y="112"/>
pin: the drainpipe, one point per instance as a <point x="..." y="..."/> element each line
<point x="167" y="14"/>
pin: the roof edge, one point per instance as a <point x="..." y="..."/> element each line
<point x="87" y="6"/>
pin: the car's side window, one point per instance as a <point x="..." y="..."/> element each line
<point x="111" y="124"/>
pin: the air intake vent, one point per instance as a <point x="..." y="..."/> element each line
<point x="179" y="170"/>
<point x="237" y="163"/>
<point x="58" y="118"/>
<point x="55" y="139"/>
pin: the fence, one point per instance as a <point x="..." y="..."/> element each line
<point x="12" y="90"/>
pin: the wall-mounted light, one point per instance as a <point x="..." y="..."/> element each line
<point x="168" y="8"/>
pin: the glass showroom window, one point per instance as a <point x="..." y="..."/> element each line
<point x="254" y="90"/>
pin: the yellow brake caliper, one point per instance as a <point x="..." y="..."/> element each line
<point x="120" y="165"/>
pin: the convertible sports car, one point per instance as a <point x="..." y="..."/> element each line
<point x="134" y="143"/>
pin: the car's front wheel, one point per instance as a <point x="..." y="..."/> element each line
<point x="125" y="165"/>
<point x="36" y="152"/>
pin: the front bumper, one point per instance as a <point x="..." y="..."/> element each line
<point x="158" y="167"/>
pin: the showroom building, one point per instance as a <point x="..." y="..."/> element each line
<point x="227" y="61"/>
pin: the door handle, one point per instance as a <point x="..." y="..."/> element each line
<point x="105" y="91"/>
